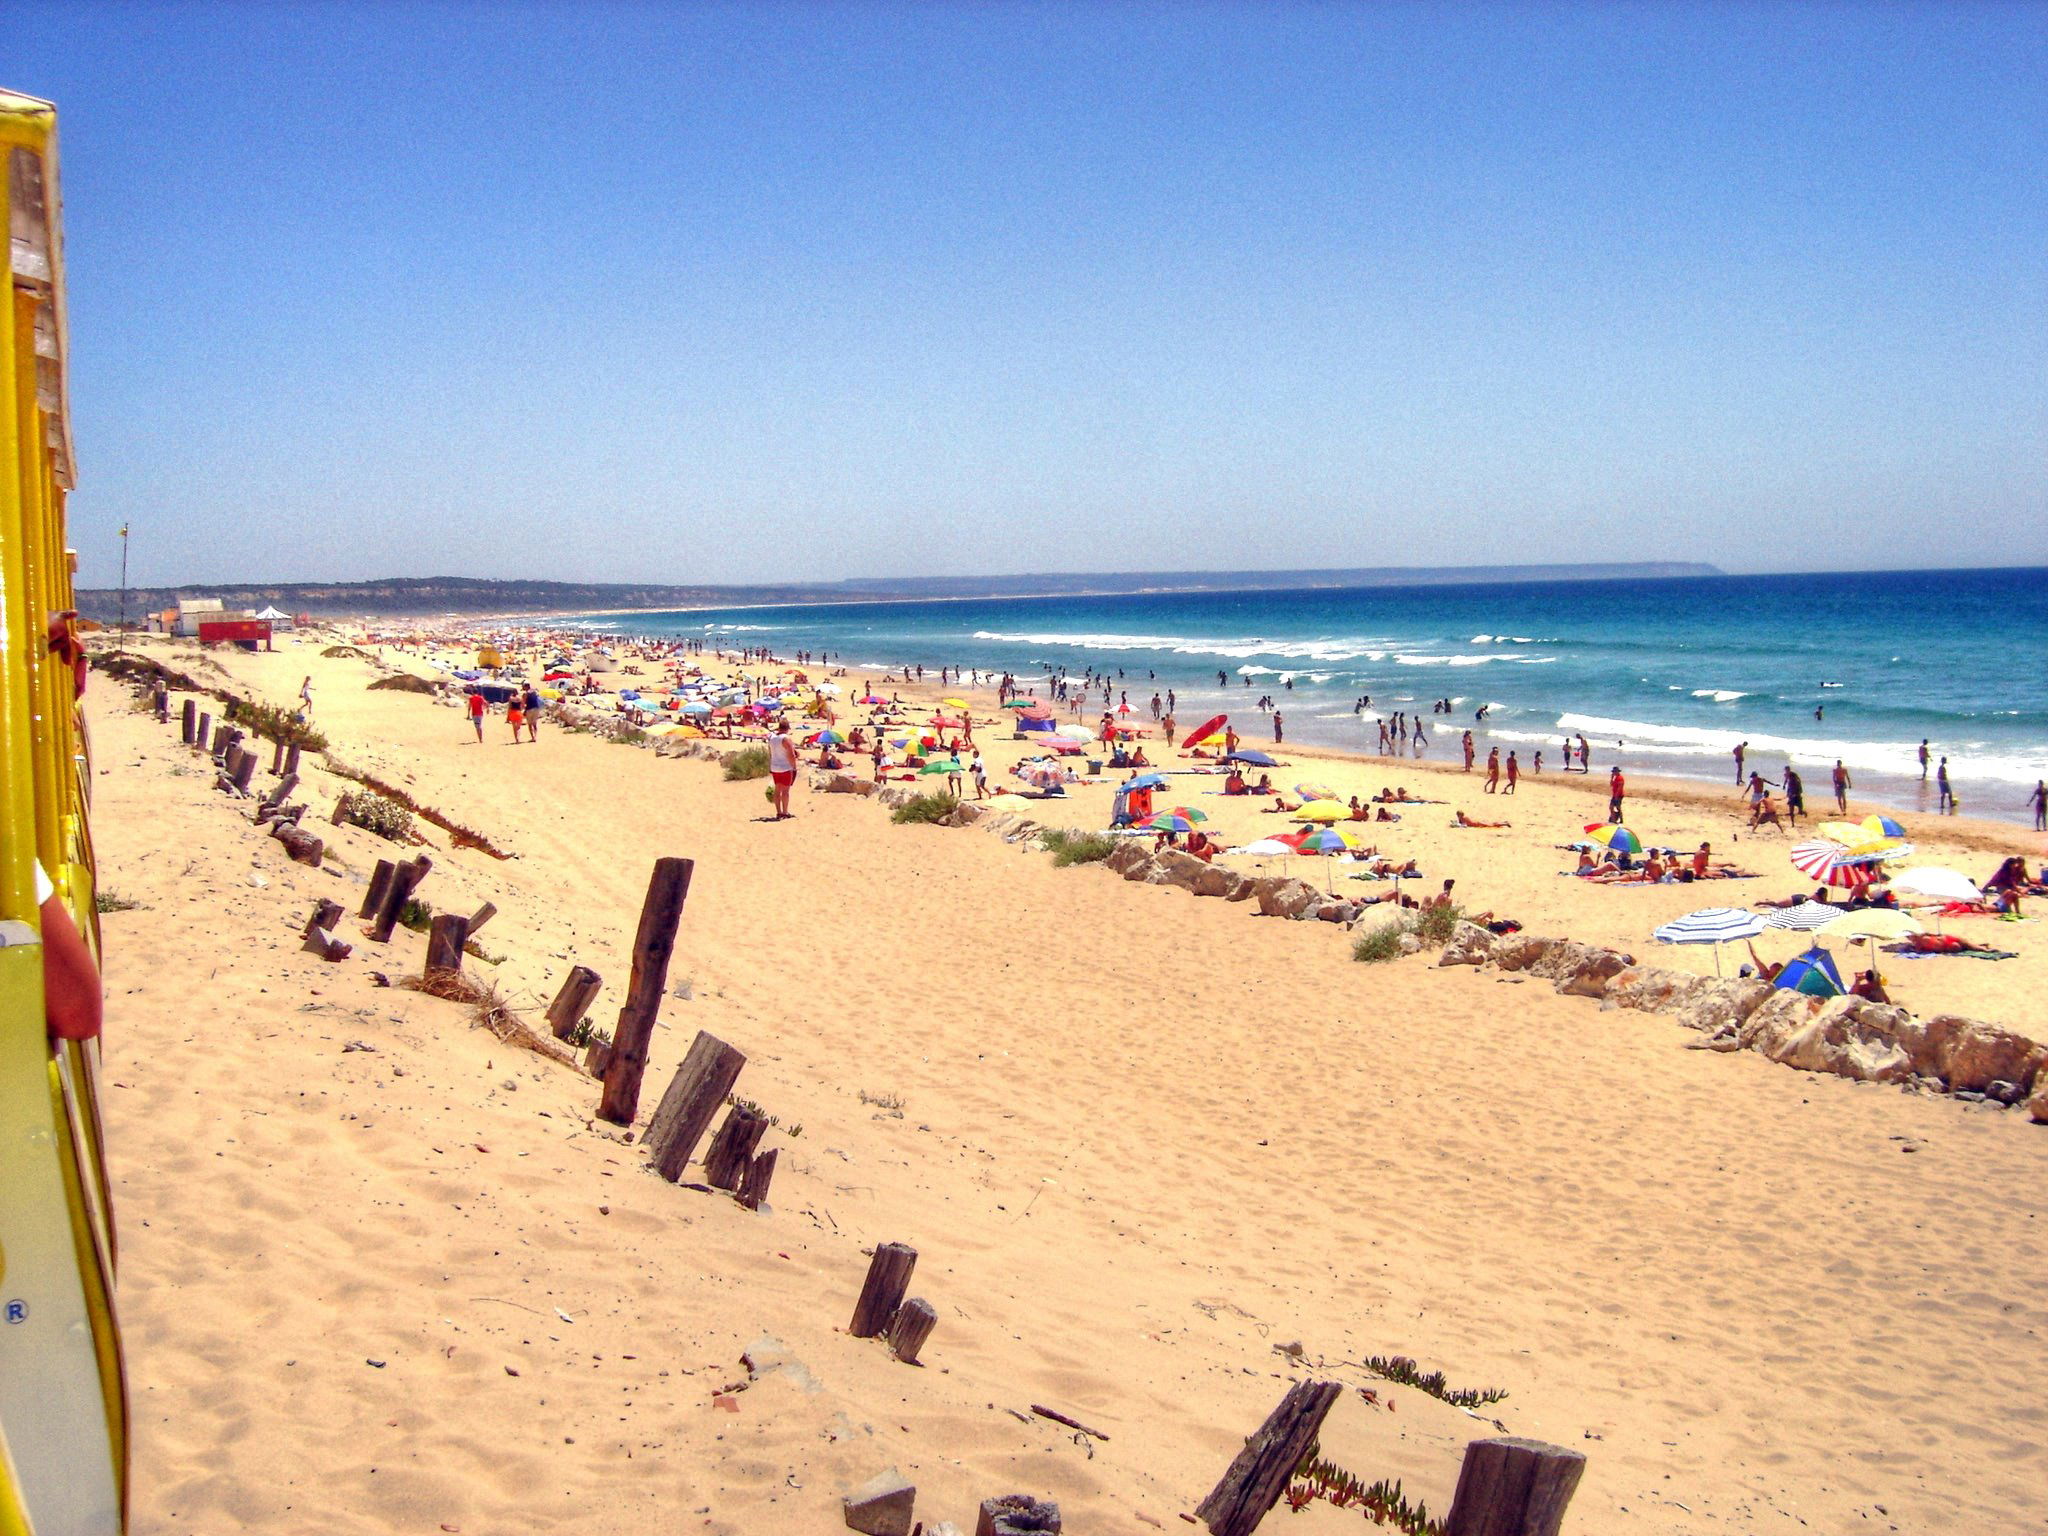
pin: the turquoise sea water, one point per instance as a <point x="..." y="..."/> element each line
<point x="1663" y="676"/>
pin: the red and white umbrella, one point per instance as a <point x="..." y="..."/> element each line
<point x="1832" y="864"/>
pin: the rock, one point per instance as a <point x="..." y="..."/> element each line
<point x="1778" y="1015"/>
<point x="1653" y="989"/>
<point x="1332" y="910"/>
<point x="881" y="1505"/>
<point x="1521" y="951"/>
<point x="1140" y="869"/>
<point x="1409" y="944"/>
<point x="2003" y="1092"/>
<point x="1719" y="1005"/>
<point x="841" y="784"/>
<point x="2037" y="1106"/>
<point x="1215" y="880"/>
<point x="1172" y="867"/>
<point x="1971" y="1054"/>
<point x="1845" y="1036"/>
<point x="969" y="813"/>
<point x="1580" y="970"/>
<point x="1126" y="853"/>
<point x="1470" y="944"/>
<point x="1279" y="896"/>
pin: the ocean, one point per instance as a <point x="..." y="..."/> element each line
<point x="1662" y="676"/>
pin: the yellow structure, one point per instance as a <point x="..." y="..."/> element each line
<point x="63" y="1407"/>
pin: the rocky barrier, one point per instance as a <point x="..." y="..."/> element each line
<point x="1846" y="1036"/>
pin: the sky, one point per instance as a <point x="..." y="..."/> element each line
<point x="747" y="293"/>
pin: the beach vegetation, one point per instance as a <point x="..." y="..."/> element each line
<point x="1379" y="944"/>
<point x="1399" y="1368"/>
<point x="403" y="682"/>
<point x="274" y="723"/>
<point x="747" y="763"/>
<point x="1435" y="925"/>
<point x="925" y="808"/>
<point x="1380" y="1503"/>
<point x="377" y="813"/>
<point x="463" y="837"/>
<point x="416" y="915"/>
<point x="892" y="1102"/>
<point x="1070" y="847"/>
<point x="475" y="949"/>
<point x="109" y="901"/>
<point x="346" y="653"/>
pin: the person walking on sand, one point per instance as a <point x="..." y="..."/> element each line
<point x="1617" y="787"/>
<point x="532" y="713"/>
<point x="1795" y="794"/>
<point x="306" y="696"/>
<point x="1279" y="731"/>
<point x="1168" y="726"/>
<point x="1924" y="755"/>
<point x="1944" y="797"/>
<point x="2039" y="801"/>
<point x="980" y="771"/>
<point x="476" y="714"/>
<point x="1741" y="748"/>
<point x="1493" y="772"/>
<point x="515" y="714"/>
<point x="1514" y="774"/>
<point x="1468" y="751"/>
<point x="781" y="766"/>
<point x="1842" y="787"/>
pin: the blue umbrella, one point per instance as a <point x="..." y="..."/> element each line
<point x="1256" y="759"/>
<point x="1146" y="781"/>
<point x="1712" y="925"/>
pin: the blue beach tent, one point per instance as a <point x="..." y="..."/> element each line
<point x="1813" y="973"/>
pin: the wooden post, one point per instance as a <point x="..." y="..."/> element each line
<point x="480" y="916"/>
<point x="1259" y="1475"/>
<point x="325" y="915"/>
<point x="291" y="758"/>
<point x="753" y="1190"/>
<point x="732" y="1150"/>
<point x="380" y="879"/>
<point x="277" y="755"/>
<point x="280" y="792"/>
<point x="199" y="731"/>
<point x="573" y="1001"/>
<point x="882" y="1292"/>
<point x="187" y="718"/>
<point x="667" y="890"/>
<point x="302" y="846"/>
<point x="1017" y="1514"/>
<point x="445" y="940"/>
<point x="319" y="932"/>
<point x="1513" y="1487"/>
<point x="911" y="1326"/>
<point x="596" y="1057"/>
<point x="694" y="1094"/>
<point x="404" y="881"/>
<point x="244" y="770"/>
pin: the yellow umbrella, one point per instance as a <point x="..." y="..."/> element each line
<point x="954" y="703"/>
<point x="1324" y="810"/>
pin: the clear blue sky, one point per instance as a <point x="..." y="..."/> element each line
<point x="748" y="293"/>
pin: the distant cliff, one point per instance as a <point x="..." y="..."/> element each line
<point x="432" y="596"/>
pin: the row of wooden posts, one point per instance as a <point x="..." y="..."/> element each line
<point x="235" y="768"/>
<point x="1507" y="1486"/>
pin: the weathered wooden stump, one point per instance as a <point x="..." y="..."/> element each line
<point x="732" y="1149"/>
<point x="667" y="890"/>
<point x="380" y="881"/>
<point x="201" y="732"/>
<point x="304" y="847"/>
<point x="244" y="770"/>
<point x="291" y="758"/>
<point x="596" y="1057"/>
<point x="578" y="992"/>
<point x="277" y="755"/>
<point x="279" y="793"/>
<point x="405" y="879"/>
<point x="910" y="1327"/>
<point x="1510" y="1486"/>
<point x="319" y="932"/>
<point x="480" y="916"/>
<point x="1259" y="1475"/>
<point x="882" y="1292"/>
<point x="450" y="931"/>
<point x="694" y="1094"/>
<point x="753" y="1190"/>
<point x="187" y="718"/>
<point x="1018" y="1514"/>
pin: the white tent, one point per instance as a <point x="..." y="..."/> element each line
<point x="272" y="614"/>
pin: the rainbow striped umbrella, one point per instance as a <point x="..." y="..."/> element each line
<point x="1615" y="836"/>
<point x="1170" y="821"/>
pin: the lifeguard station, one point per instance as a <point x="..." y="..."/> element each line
<point x="63" y="1407"/>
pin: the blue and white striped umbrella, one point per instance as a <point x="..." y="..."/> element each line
<point x="1713" y="925"/>
<point x="1804" y="918"/>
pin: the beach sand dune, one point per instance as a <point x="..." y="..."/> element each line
<point x="1138" y="1139"/>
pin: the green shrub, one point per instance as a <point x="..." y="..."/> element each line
<point x="371" y="811"/>
<point x="275" y="724"/>
<point x="1380" y="944"/>
<point x="926" y="808"/>
<point x="107" y="901"/>
<point x="403" y="682"/>
<point x="1069" y="847"/>
<point x="747" y="763"/>
<point x="1436" y="924"/>
<point x="416" y="915"/>
<point x="346" y="653"/>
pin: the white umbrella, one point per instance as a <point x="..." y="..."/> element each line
<point x="1870" y="925"/>
<point x="1805" y="917"/>
<point x="1936" y="884"/>
<point x="1711" y="925"/>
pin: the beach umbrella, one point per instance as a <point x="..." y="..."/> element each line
<point x="1020" y="704"/>
<point x="1255" y="759"/>
<point x="1832" y="864"/>
<point x="954" y="703"/>
<point x="1169" y="821"/>
<point x="1612" y="835"/>
<point x="1207" y="729"/>
<point x="1804" y="918"/>
<point x="1324" y="810"/>
<point x="1066" y="746"/>
<point x="827" y="739"/>
<point x="1936" y="884"/>
<point x="1147" y="781"/>
<point x="1267" y="847"/>
<point x="1075" y="733"/>
<point x="1711" y="925"/>
<point x="1324" y="840"/>
<point x="1870" y="923"/>
<point x="1315" y="792"/>
<point x="1812" y="973"/>
<point x="940" y="765"/>
<point x="1882" y="826"/>
<point x="1186" y="810"/>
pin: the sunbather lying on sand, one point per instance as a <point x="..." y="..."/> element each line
<point x="1466" y="821"/>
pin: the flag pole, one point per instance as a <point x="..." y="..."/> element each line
<point x="121" y="641"/>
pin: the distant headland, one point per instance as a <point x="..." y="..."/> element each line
<point x="424" y="595"/>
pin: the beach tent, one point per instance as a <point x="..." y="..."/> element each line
<point x="1813" y="973"/>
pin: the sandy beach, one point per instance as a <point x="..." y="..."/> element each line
<point x="382" y="1271"/>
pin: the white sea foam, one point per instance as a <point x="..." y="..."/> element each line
<point x="1237" y="648"/>
<point x="1718" y="695"/>
<point x="1467" y="659"/>
<point x="1891" y="757"/>
<point x="1509" y="640"/>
